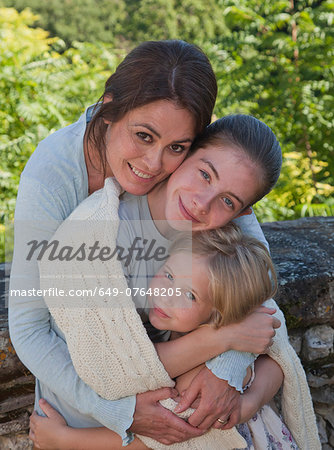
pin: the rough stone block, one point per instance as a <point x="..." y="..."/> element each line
<point x="322" y="429"/>
<point x="318" y="342"/>
<point x="325" y="411"/>
<point x="296" y="339"/>
<point x="17" y="442"/>
<point x="303" y="253"/>
<point x="321" y="376"/>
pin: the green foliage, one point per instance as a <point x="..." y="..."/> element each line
<point x="277" y="64"/>
<point x="42" y="90"/>
<point x="77" y="20"/>
<point x="124" y="22"/>
<point x="273" y="60"/>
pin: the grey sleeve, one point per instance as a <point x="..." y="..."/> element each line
<point x="249" y="225"/>
<point x="37" y="216"/>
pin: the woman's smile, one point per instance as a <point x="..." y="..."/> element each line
<point x="206" y="190"/>
<point x="186" y="213"/>
<point x="139" y="173"/>
<point x="148" y="144"/>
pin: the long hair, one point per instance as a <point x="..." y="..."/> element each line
<point x="156" y="70"/>
<point x="241" y="272"/>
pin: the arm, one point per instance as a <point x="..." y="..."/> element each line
<point x="40" y="349"/>
<point x="253" y="334"/>
<point x="38" y="214"/>
<point x="52" y="433"/>
<point x="268" y="380"/>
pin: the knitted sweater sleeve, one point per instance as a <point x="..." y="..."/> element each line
<point x="41" y="350"/>
<point x="107" y="341"/>
<point x="297" y="407"/>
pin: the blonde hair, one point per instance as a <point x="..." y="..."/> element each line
<point x="241" y="272"/>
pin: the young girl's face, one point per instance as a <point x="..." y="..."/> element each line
<point x="211" y="188"/>
<point x="180" y="294"/>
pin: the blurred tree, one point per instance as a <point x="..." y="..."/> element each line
<point x="277" y="64"/>
<point x="273" y="60"/>
<point x="42" y="90"/>
<point x="125" y="22"/>
<point x="77" y="20"/>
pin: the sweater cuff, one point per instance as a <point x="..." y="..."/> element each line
<point x="232" y="367"/>
<point x="117" y="415"/>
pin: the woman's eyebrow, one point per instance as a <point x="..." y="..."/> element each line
<point x="146" y="125"/>
<point x="152" y="130"/>
<point x="209" y="163"/>
<point x="212" y="167"/>
<point x="235" y="196"/>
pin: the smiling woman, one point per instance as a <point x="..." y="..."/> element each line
<point x="234" y="163"/>
<point x="147" y="145"/>
<point x="172" y="84"/>
<point x="140" y="130"/>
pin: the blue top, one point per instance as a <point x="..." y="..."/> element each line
<point x="52" y="185"/>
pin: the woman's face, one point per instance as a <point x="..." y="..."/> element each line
<point x="211" y="188"/>
<point x="148" y="144"/>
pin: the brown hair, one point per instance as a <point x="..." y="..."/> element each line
<point x="241" y="272"/>
<point x="156" y="70"/>
<point x="251" y="136"/>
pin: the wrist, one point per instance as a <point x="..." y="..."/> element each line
<point x="65" y="439"/>
<point x="226" y="338"/>
<point x="219" y="340"/>
<point x="249" y="406"/>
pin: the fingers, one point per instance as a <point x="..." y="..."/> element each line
<point x="205" y="415"/>
<point x="276" y="322"/>
<point x="266" y="310"/>
<point x="187" y="397"/>
<point x="163" y="394"/>
<point x="174" y="430"/>
<point x="47" y="409"/>
<point x="232" y="420"/>
<point x="32" y="425"/>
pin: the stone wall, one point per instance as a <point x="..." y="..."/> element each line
<point x="303" y="252"/>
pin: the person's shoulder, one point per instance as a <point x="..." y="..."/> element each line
<point x="131" y="206"/>
<point x="101" y="204"/>
<point x="61" y="148"/>
<point x="58" y="163"/>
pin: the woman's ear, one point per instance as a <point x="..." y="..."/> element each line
<point x="106" y="99"/>
<point x="245" y="212"/>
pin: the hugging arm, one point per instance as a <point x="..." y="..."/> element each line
<point x="268" y="379"/>
<point x="39" y="212"/>
<point x="41" y="350"/>
<point x="51" y="432"/>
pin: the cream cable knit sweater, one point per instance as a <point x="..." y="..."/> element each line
<point x="108" y="343"/>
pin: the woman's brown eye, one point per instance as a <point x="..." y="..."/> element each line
<point x="144" y="136"/>
<point x="177" y="148"/>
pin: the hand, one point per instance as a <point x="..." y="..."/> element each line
<point x="46" y="431"/>
<point x="255" y="333"/>
<point x="153" y="420"/>
<point x="217" y="400"/>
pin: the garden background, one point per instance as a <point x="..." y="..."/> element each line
<point x="273" y="60"/>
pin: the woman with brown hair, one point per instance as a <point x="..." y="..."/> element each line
<point x="155" y="103"/>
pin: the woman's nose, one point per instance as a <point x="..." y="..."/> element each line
<point x="153" y="159"/>
<point x="202" y="203"/>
